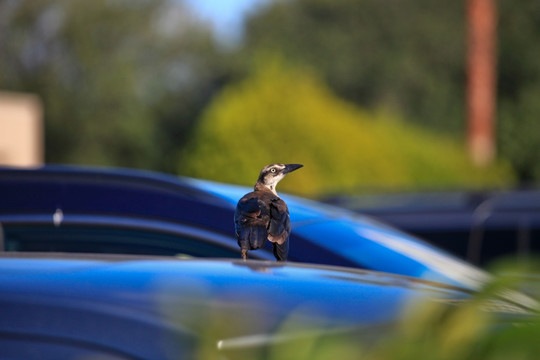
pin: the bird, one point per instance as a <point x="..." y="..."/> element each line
<point x="262" y="215"/>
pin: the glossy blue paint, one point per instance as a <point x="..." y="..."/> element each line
<point x="153" y="307"/>
<point x="130" y="198"/>
<point x="366" y="296"/>
<point x="360" y="241"/>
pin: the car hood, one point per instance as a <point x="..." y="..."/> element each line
<point x="175" y="303"/>
<point x="267" y="288"/>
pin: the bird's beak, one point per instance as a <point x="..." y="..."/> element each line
<point x="291" y="167"/>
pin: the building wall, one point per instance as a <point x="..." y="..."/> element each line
<point x="21" y="130"/>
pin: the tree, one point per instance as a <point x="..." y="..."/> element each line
<point x="121" y="81"/>
<point x="287" y="114"/>
<point x="519" y="86"/>
<point x="406" y="55"/>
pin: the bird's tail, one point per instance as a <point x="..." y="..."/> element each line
<point x="252" y="237"/>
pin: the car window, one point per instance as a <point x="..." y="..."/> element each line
<point x="108" y="239"/>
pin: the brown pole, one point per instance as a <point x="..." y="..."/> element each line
<point x="481" y="80"/>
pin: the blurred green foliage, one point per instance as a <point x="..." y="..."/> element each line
<point x="121" y="81"/>
<point x="405" y="55"/>
<point x="482" y="327"/>
<point x="125" y="82"/>
<point x="409" y="56"/>
<point x="287" y="114"/>
<point x="519" y="86"/>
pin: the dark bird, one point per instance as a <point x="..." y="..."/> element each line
<point x="261" y="214"/>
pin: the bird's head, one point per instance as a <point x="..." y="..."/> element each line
<point x="270" y="175"/>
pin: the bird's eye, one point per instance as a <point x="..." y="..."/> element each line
<point x="273" y="170"/>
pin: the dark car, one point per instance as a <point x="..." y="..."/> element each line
<point x="479" y="226"/>
<point x="90" y="306"/>
<point x="74" y="209"/>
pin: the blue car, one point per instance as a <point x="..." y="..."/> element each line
<point x="95" y="210"/>
<point x="90" y="306"/>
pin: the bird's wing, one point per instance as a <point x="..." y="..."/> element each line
<point x="250" y="223"/>
<point x="280" y="222"/>
<point x="247" y="207"/>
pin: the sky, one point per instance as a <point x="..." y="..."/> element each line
<point x="226" y="16"/>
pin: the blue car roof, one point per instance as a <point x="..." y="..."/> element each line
<point x="321" y="233"/>
<point x="364" y="240"/>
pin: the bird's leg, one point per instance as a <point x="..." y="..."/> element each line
<point x="244" y="254"/>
